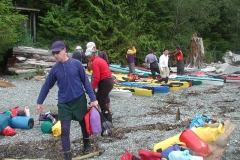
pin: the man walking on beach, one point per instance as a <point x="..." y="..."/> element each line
<point x="163" y="65"/>
<point x="72" y="82"/>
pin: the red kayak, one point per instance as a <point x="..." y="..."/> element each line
<point x="193" y="73"/>
<point x="231" y="78"/>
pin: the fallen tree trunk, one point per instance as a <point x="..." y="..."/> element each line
<point x="30" y="60"/>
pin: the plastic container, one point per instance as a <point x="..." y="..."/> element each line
<point x="27" y="111"/>
<point x="22" y="122"/>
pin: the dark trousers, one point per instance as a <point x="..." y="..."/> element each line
<point x="180" y="67"/>
<point x="164" y="79"/>
<point x="154" y="68"/>
<point x="131" y="67"/>
<point x="65" y="135"/>
<point x="104" y="87"/>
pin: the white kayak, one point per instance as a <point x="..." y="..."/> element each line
<point x="120" y="93"/>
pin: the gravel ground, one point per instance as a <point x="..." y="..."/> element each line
<point x="140" y="121"/>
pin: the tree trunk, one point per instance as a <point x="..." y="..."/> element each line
<point x="196" y="53"/>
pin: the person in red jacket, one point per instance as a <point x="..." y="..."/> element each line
<point x="102" y="80"/>
<point x="178" y="56"/>
<point x="92" y="46"/>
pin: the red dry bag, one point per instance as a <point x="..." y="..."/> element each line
<point x="87" y="121"/>
<point x="149" y="155"/>
<point x="195" y="143"/>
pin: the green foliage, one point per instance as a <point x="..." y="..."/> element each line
<point x="210" y="56"/>
<point x="11" y="30"/>
<point x="24" y="75"/>
<point x="29" y="75"/>
<point x="148" y="24"/>
<point x="40" y="70"/>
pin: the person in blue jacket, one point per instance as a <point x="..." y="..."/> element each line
<point x="72" y="82"/>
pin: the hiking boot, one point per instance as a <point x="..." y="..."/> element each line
<point x="107" y="132"/>
<point x="87" y="145"/>
<point x="68" y="155"/>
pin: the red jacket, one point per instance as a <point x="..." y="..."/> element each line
<point x="100" y="70"/>
<point x="178" y="55"/>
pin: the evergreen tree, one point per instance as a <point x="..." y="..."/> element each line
<point x="11" y="31"/>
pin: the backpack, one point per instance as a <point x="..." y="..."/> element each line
<point x="4" y="121"/>
<point x="17" y="111"/>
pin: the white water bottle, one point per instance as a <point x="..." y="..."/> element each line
<point x="27" y="111"/>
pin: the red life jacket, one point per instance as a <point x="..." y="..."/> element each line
<point x="178" y="55"/>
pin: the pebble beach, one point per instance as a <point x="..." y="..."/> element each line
<point x="139" y="121"/>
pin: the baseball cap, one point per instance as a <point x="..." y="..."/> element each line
<point x="78" y="47"/>
<point x="89" y="52"/>
<point x="57" y="46"/>
<point x="90" y="45"/>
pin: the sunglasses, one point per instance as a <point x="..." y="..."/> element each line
<point x="56" y="52"/>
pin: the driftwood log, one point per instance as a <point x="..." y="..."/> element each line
<point x="196" y="53"/>
<point x="218" y="151"/>
<point x="231" y="58"/>
<point x="27" y="59"/>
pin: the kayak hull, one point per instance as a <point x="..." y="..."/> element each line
<point x="136" y="90"/>
<point x="120" y="93"/>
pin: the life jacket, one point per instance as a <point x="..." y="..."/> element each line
<point x="178" y="55"/>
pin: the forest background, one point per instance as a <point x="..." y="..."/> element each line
<point x="115" y="25"/>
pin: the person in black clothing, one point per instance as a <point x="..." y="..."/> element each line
<point x="80" y="55"/>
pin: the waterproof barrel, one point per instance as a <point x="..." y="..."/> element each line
<point x="22" y="122"/>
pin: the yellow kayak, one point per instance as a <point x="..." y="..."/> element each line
<point x="174" y="88"/>
<point x="183" y="84"/>
<point x="136" y="90"/>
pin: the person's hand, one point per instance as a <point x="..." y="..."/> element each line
<point x="162" y="71"/>
<point x="94" y="103"/>
<point x="95" y="90"/>
<point x="39" y="108"/>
